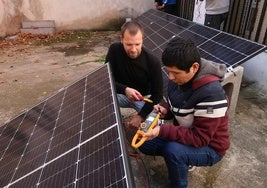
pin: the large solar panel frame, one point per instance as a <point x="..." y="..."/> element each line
<point x="215" y="45"/>
<point x="74" y="138"/>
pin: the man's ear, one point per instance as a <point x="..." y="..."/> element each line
<point x="121" y="37"/>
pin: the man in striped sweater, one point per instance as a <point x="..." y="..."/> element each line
<point x="197" y="102"/>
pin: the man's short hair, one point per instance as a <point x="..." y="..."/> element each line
<point x="181" y="53"/>
<point x="133" y="27"/>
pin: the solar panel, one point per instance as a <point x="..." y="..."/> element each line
<point x="72" y="139"/>
<point x="213" y="44"/>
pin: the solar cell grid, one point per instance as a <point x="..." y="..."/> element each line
<point x="210" y="57"/>
<point x="205" y="32"/>
<point x="198" y="40"/>
<point x="213" y="44"/>
<point x="166" y="34"/>
<point x="72" y="139"/>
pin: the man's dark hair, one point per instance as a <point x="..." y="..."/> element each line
<point x="181" y="53"/>
<point x="133" y="27"/>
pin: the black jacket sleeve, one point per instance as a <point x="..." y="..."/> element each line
<point x="113" y="57"/>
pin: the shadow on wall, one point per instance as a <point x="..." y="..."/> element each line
<point x="128" y="12"/>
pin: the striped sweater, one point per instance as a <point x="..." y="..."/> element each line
<point x="199" y="109"/>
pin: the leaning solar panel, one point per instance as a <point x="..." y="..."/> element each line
<point x="213" y="44"/>
<point x="72" y="139"/>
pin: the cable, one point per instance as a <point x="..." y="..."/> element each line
<point x="136" y="154"/>
<point x="145" y="176"/>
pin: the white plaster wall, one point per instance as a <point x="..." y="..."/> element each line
<point x="69" y="14"/>
<point x="8" y="14"/>
<point x="1" y="12"/>
<point x="255" y="70"/>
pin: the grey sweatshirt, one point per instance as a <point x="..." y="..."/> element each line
<point x="217" y="6"/>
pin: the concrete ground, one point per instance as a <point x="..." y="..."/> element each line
<point x="30" y="73"/>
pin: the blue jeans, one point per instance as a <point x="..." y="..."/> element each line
<point x="178" y="157"/>
<point x="124" y="102"/>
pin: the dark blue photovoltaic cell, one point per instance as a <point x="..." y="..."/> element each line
<point x="148" y="31"/>
<point x="205" y="32"/>
<point x="60" y="172"/>
<point x="158" y="51"/>
<point x="105" y="149"/>
<point x="206" y="55"/>
<point x="213" y="44"/>
<point x="198" y="39"/>
<point x="241" y="45"/>
<point x="161" y="22"/>
<point x="154" y="26"/>
<point x="158" y="38"/>
<point x="27" y="181"/>
<point x="149" y="44"/>
<point x="182" y="23"/>
<point x="166" y="34"/>
<point x="174" y="28"/>
<point x="72" y="139"/>
<point x="226" y="55"/>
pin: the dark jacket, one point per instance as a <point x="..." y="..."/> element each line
<point x="200" y="110"/>
<point x="143" y="74"/>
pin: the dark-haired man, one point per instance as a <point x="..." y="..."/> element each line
<point x="197" y="102"/>
<point x="137" y="72"/>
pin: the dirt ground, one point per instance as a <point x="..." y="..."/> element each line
<point x="32" y="72"/>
